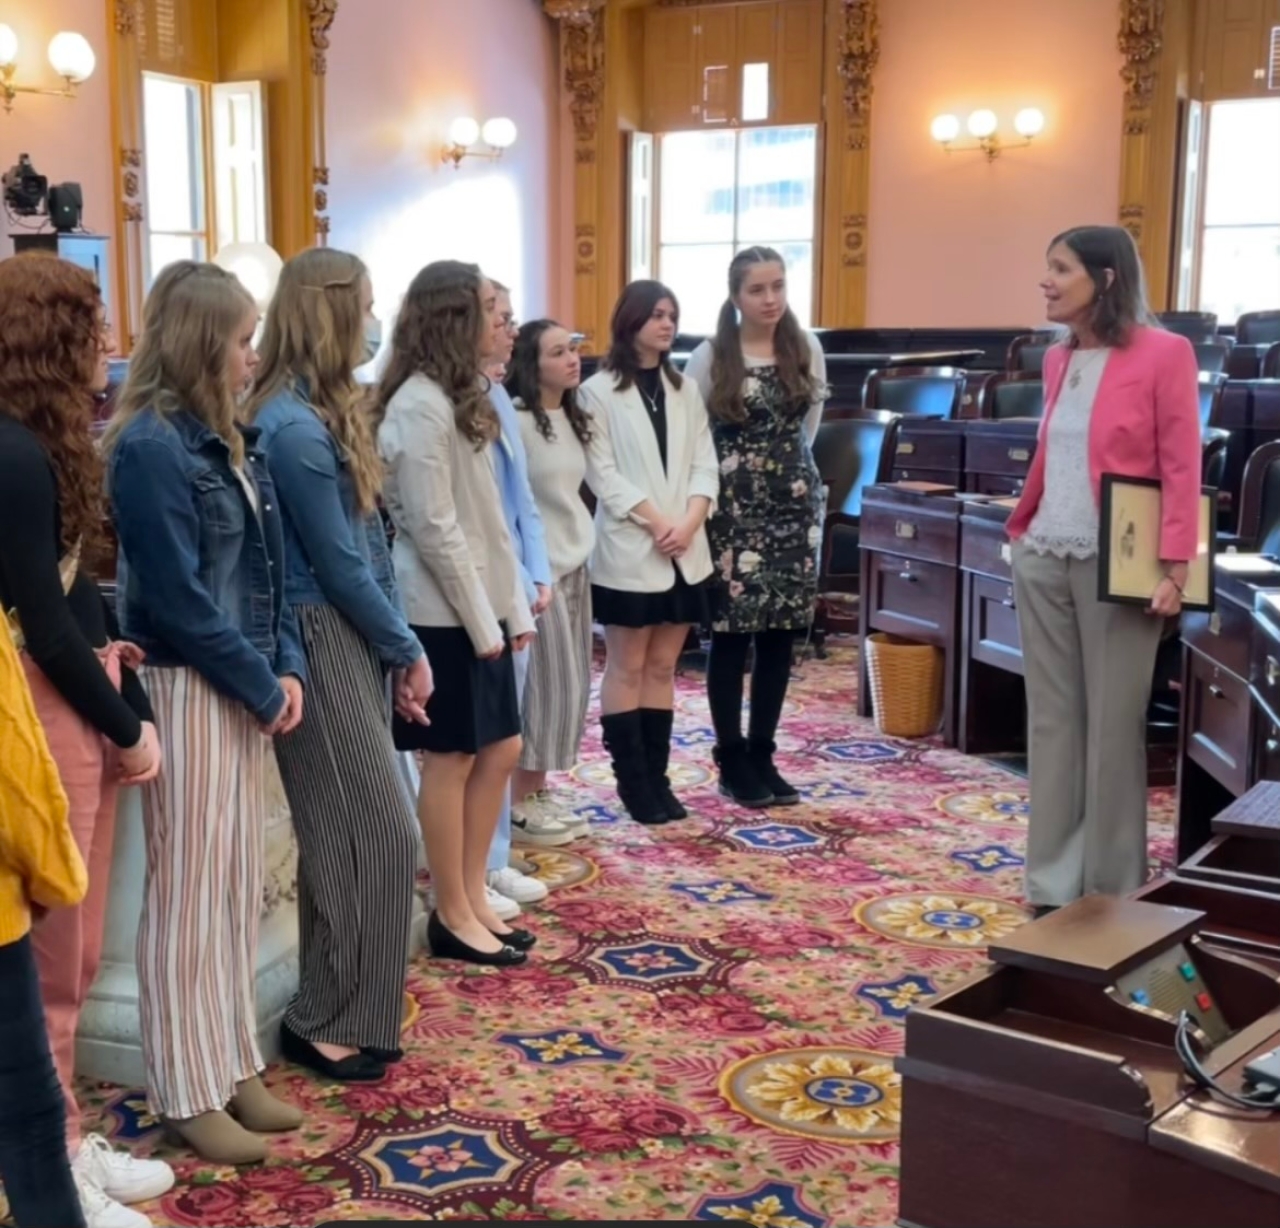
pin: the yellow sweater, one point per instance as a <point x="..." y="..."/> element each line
<point x="39" y="861"/>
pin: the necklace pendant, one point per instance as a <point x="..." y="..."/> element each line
<point x="1074" y="381"/>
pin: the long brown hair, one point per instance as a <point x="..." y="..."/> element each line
<point x="51" y="338"/>
<point x="632" y="312"/>
<point x="439" y="333"/>
<point x="525" y="384"/>
<point x="311" y="343"/>
<point x="729" y="368"/>
<point x="1121" y="306"/>
<point x="182" y="358"/>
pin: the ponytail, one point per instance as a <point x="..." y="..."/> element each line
<point x="728" y="370"/>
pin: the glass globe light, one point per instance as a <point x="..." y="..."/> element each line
<point x="464" y="131"/>
<point x="1029" y="122"/>
<point x="256" y="265"/>
<point x="982" y="124"/>
<point x="945" y="128"/>
<point x="71" y="56"/>
<point x="499" y="133"/>
<point x="8" y="47"/>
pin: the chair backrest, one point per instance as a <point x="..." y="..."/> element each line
<point x="1212" y="354"/>
<point x="852" y="454"/>
<point x="1259" y="527"/>
<point x="927" y="392"/>
<point x="1026" y="353"/>
<point x="1194" y="325"/>
<point x="1211" y="387"/>
<point x="1271" y="362"/>
<point x="1012" y="395"/>
<point x="1258" y="328"/>
<point x="1213" y="457"/>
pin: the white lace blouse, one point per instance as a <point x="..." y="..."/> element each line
<point x="1066" y="522"/>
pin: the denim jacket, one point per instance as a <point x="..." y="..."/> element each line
<point x="199" y="574"/>
<point x="333" y="554"/>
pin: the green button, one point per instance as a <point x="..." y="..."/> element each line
<point x="1188" y="972"/>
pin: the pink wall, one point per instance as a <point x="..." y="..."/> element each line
<point x="66" y="140"/>
<point x="399" y="72"/>
<point x="955" y="240"/>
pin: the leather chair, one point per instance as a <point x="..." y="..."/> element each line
<point x="1213" y="354"/>
<point x="1194" y="325"/>
<point x="1026" y="353"/>
<point x="1271" y="362"/>
<point x="1211" y="387"/>
<point x="1012" y="395"/>
<point x="924" y="392"/>
<point x="851" y="454"/>
<point x="1259" y="527"/>
<point x="1258" y="328"/>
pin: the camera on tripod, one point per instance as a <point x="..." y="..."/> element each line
<point x="27" y="194"/>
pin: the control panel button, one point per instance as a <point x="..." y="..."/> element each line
<point x="1203" y="1001"/>
<point x="1188" y="972"/>
<point x="1141" y="997"/>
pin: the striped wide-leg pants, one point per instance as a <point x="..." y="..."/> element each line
<point x="558" y="688"/>
<point x="204" y="818"/>
<point x="357" y="843"/>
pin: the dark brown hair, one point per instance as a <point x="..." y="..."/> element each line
<point x="438" y="333"/>
<point x="790" y="349"/>
<point x="1120" y="307"/>
<point x="51" y="337"/>
<point x="524" y="383"/>
<point x="633" y="311"/>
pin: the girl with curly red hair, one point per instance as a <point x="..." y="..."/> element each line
<point x="54" y="344"/>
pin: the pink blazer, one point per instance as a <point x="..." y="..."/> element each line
<point x="1145" y="424"/>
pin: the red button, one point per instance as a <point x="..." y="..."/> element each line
<point x="1204" y="1002"/>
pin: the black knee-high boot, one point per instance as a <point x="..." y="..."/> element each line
<point x="655" y="727"/>
<point x="624" y="740"/>
<point x="769" y="678"/>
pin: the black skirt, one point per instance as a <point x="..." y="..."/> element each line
<point x="474" y="702"/>
<point x="681" y="603"/>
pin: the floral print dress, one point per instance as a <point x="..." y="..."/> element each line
<point x="765" y="533"/>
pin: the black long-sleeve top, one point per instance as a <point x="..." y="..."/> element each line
<point x="61" y="631"/>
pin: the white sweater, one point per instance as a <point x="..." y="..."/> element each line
<point x="557" y="470"/>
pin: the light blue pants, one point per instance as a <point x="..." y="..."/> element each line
<point x="500" y="849"/>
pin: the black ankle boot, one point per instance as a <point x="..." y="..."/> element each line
<point x="760" y="752"/>
<point x="624" y="741"/>
<point x="738" y="779"/>
<point x="655" y="728"/>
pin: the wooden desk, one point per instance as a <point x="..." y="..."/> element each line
<point x="977" y="456"/>
<point x="1044" y="1093"/>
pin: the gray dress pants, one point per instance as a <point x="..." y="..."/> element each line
<point x="1088" y="667"/>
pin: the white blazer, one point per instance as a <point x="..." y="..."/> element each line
<point x="624" y="468"/>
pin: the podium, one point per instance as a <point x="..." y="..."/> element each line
<point x="1045" y="1091"/>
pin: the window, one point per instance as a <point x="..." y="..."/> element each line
<point x="173" y="117"/>
<point x="1239" y="249"/>
<point x="719" y="192"/>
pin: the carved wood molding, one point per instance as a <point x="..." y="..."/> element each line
<point x="1141" y="41"/>
<point x="127" y="15"/>
<point x="130" y="185"/>
<point x="582" y="54"/>
<point x="859" y="54"/>
<point x="320" y="15"/>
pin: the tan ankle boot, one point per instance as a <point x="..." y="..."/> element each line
<point x="257" y="1109"/>
<point x="218" y="1138"/>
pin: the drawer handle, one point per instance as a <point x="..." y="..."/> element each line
<point x="1273" y="745"/>
<point x="906" y="449"/>
<point x="1008" y="604"/>
<point x="1216" y="692"/>
<point x="904" y="528"/>
<point x="1215" y="624"/>
<point x="909" y="577"/>
<point x="1006" y="553"/>
<point x="1273" y="671"/>
<point x="1019" y="454"/>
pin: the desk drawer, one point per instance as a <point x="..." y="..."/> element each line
<point x="1266" y="748"/>
<point x="929" y="447"/>
<point x="910" y="530"/>
<point x="911" y="598"/>
<point x="1225" y="636"/>
<point x="1218" y="711"/>
<point x="985" y="548"/>
<point x="1264" y="667"/>
<point x="945" y="477"/>
<point x="993" y="624"/>
<point x="999" y="455"/>
<point x="1002" y="484"/>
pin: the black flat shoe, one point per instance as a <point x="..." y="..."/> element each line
<point x="356" y="1068"/>
<point x="1043" y="910"/>
<point x="445" y="944"/>
<point x="388" y="1057"/>
<point x="522" y="940"/>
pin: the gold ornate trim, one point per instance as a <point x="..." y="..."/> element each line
<point x="320" y="15"/>
<point x="1140" y="41"/>
<point x="583" y="57"/>
<point x="859" y="55"/>
<point x="127" y="14"/>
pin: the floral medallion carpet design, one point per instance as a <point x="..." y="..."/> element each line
<point x="708" y="1029"/>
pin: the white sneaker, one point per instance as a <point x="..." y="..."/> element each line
<point x="557" y="805"/>
<point x="522" y="864"/>
<point x="517" y="886"/>
<point x="103" y="1212"/>
<point x="119" y="1175"/>
<point x="504" y="907"/>
<point x="530" y="826"/>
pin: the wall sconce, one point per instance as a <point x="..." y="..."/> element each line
<point x="70" y="54"/>
<point x="497" y="135"/>
<point x="982" y="125"/>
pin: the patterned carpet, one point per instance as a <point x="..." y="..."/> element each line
<point x="708" y="1030"/>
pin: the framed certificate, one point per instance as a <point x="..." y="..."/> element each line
<point x="1129" y="568"/>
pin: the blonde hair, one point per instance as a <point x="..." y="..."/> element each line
<point x="311" y="345"/>
<point x="181" y="361"/>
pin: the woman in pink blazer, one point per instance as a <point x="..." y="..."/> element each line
<point x="1121" y="396"/>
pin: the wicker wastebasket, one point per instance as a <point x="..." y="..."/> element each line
<point x="906" y="685"/>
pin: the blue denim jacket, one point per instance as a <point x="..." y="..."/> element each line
<point x="333" y="554"/>
<point x="524" y="521"/>
<point x="199" y="574"/>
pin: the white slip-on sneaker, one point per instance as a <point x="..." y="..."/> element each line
<point x="522" y="864"/>
<point x="504" y="907"/>
<point x="103" y="1212"/>
<point x="120" y="1176"/>
<point x="517" y="886"/>
<point x="530" y="826"/>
